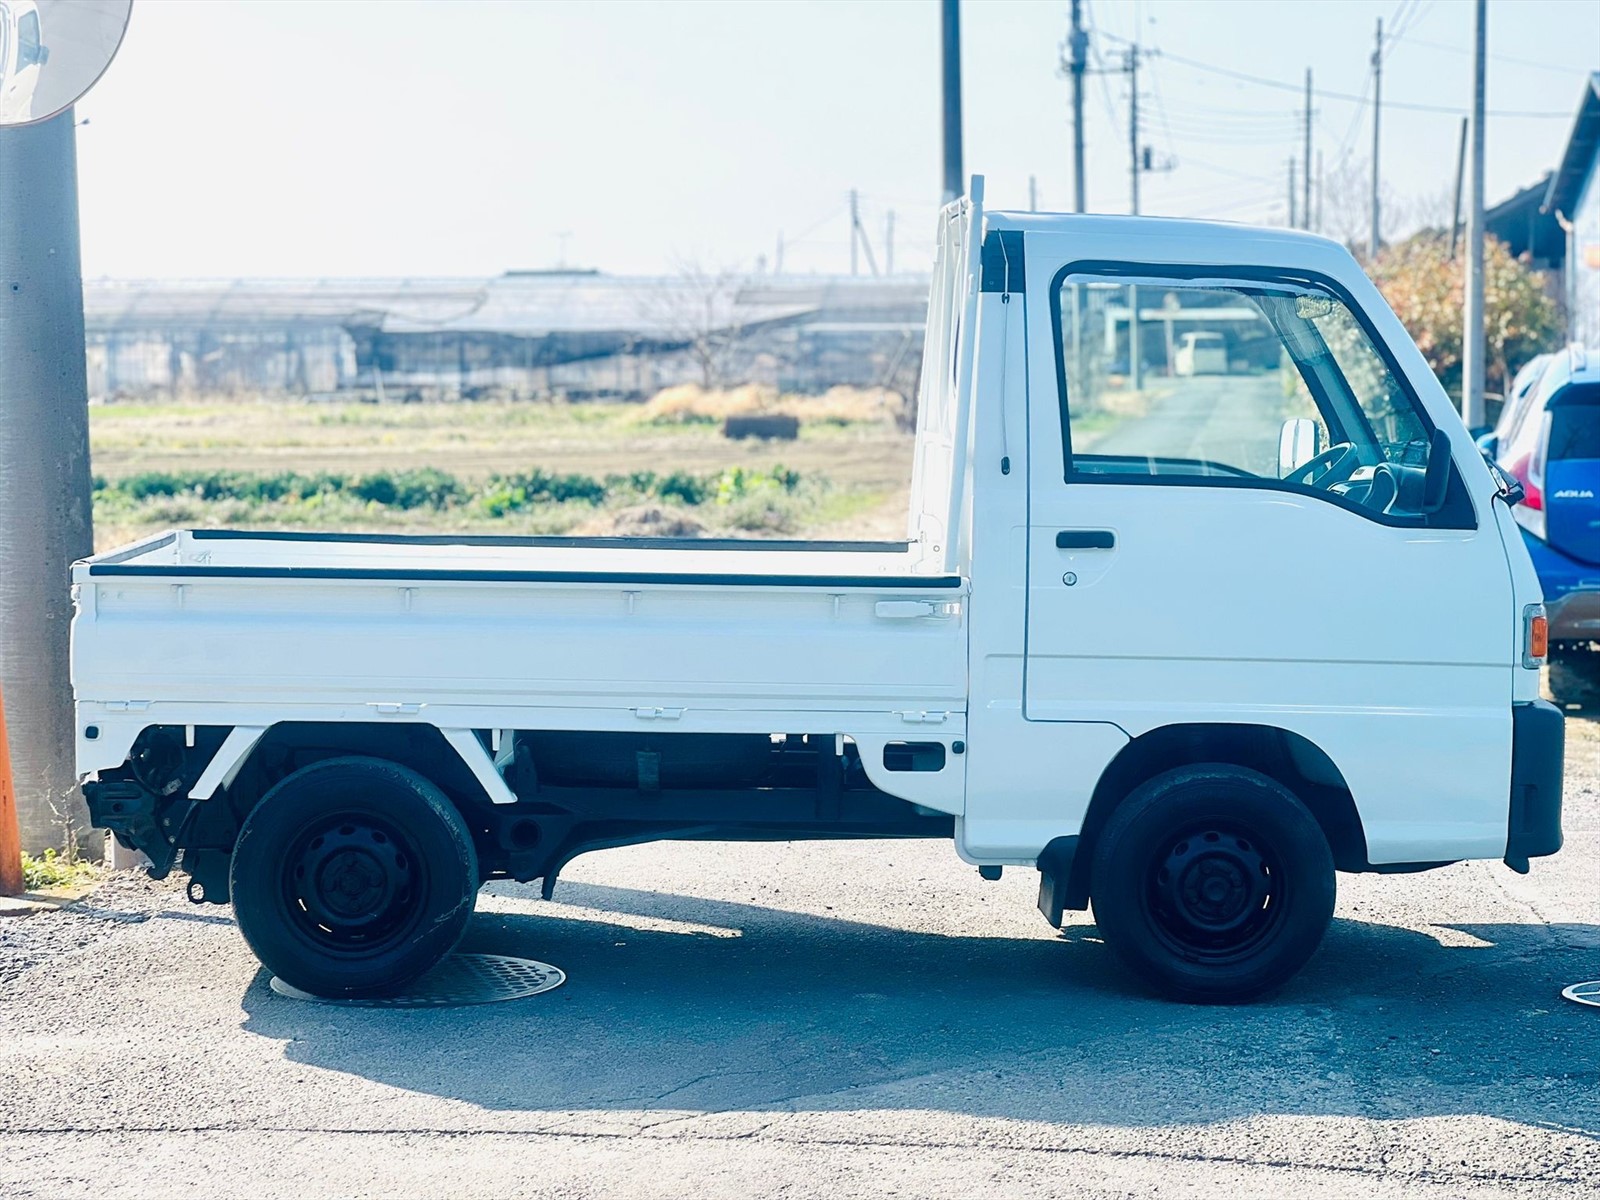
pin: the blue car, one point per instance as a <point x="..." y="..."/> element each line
<point x="1548" y="440"/>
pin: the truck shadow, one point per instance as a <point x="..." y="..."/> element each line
<point x="733" y="1007"/>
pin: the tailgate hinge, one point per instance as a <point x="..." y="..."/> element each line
<point x="656" y="713"/>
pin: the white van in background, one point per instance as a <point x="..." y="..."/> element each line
<point x="1201" y="354"/>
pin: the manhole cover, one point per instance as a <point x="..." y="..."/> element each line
<point x="459" y="979"/>
<point x="1584" y="993"/>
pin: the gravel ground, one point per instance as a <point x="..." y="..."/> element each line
<point x="865" y="1019"/>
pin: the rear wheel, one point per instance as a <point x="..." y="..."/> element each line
<point x="1212" y="883"/>
<point x="352" y="877"/>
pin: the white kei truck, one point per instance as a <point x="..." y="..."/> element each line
<point x="1186" y="643"/>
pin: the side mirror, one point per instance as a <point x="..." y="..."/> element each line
<point x="1509" y="487"/>
<point x="1489" y="446"/>
<point x="1299" y="441"/>
<point x="1436" y="479"/>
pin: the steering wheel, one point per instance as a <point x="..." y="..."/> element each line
<point x="1333" y="466"/>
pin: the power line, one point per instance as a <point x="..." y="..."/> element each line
<point x="1506" y="58"/>
<point x="1283" y="85"/>
<point x="1403" y="21"/>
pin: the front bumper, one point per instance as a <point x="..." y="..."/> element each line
<point x="1538" y="747"/>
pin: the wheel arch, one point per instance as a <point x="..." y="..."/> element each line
<point x="1281" y="754"/>
<point x="430" y="751"/>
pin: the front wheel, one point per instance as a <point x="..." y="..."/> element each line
<point x="352" y="877"/>
<point x="1213" y="883"/>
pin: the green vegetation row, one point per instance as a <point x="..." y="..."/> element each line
<point x="427" y="488"/>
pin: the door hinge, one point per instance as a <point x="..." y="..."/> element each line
<point x="655" y="713"/>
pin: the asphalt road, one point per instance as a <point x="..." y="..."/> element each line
<point x="1229" y="419"/>
<point x="862" y="1019"/>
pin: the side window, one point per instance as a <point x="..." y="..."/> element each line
<point x="1258" y="384"/>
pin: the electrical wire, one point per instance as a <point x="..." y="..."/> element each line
<point x="1283" y="85"/>
<point x="1505" y="58"/>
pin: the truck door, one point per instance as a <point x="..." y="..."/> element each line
<point x="1262" y="545"/>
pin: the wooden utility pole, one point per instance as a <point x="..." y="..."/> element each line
<point x="1461" y="171"/>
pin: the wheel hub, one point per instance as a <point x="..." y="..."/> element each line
<point x="1213" y="889"/>
<point x="352" y="881"/>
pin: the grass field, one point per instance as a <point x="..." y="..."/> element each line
<point x="158" y="466"/>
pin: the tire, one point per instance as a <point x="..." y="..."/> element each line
<point x="1572" y="675"/>
<point x="352" y="877"/>
<point x="1265" y="865"/>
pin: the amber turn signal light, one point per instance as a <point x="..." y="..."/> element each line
<point x="1536" y="635"/>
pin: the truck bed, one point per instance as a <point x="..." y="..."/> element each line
<point x="219" y="553"/>
<point x="219" y="628"/>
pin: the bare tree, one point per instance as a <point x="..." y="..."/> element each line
<point x="696" y="310"/>
<point x="1347" y="213"/>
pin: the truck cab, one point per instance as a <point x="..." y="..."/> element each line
<point x="1187" y="644"/>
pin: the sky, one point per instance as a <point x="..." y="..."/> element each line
<point x="345" y="138"/>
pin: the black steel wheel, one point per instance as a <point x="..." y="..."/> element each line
<point x="1213" y="883"/>
<point x="352" y="877"/>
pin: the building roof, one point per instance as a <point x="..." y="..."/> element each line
<point x="1525" y="226"/>
<point x="521" y="304"/>
<point x="1577" y="162"/>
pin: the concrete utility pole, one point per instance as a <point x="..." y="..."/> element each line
<point x="1133" y="207"/>
<point x="45" y="498"/>
<point x="1305" y="207"/>
<point x="1316" y="223"/>
<point x="1033" y="193"/>
<point x="1133" y="126"/>
<point x="1294" y="196"/>
<point x="855" y="232"/>
<point x="950" y="30"/>
<point x="1078" y="46"/>
<point x="888" y="242"/>
<point x="1472" y="345"/>
<point x="1375" y="234"/>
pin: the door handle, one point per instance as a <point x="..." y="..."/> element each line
<point x="1085" y="539"/>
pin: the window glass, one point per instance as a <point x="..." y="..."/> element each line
<point x="1575" y="423"/>
<point x="1219" y="380"/>
<point x="27" y="40"/>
